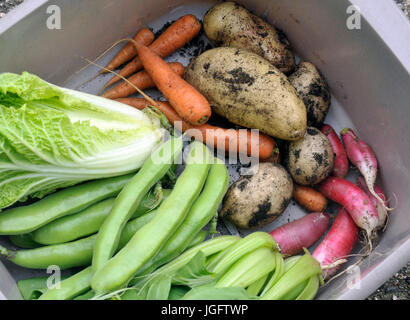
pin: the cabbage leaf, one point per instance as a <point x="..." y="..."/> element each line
<point x="53" y="137"/>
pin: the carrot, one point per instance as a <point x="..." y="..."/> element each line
<point x="341" y="164"/>
<point x="275" y="157"/>
<point x="144" y="36"/>
<point x="173" y="38"/>
<point x="292" y="237"/>
<point x="309" y="198"/>
<point x="141" y="80"/>
<point x="261" y="146"/>
<point x="354" y="200"/>
<point x="337" y="244"/>
<point x="188" y="102"/>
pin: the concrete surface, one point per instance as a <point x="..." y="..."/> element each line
<point x="396" y="288"/>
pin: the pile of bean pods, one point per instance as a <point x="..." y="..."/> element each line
<point x="135" y="239"/>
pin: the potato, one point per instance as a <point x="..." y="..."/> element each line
<point x="254" y="201"/>
<point x="310" y="159"/>
<point x="230" y="25"/>
<point x="249" y="91"/>
<point x="314" y="91"/>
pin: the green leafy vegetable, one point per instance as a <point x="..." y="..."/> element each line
<point x="194" y="273"/>
<point x="177" y="292"/>
<point x="159" y="288"/>
<point x="212" y="293"/>
<point x="52" y="137"/>
<point x="33" y="288"/>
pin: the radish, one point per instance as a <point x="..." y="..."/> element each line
<point x="363" y="157"/>
<point x="302" y="233"/>
<point x="380" y="209"/>
<point x="354" y="200"/>
<point x="337" y="244"/>
<point x="341" y="164"/>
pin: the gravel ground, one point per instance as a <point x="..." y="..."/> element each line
<point x="396" y="288"/>
<point x="405" y="6"/>
<point x="7" y="5"/>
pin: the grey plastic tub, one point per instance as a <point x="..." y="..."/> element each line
<point x="367" y="70"/>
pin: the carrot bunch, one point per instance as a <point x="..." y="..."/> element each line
<point x="188" y="102"/>
<point x="185" y="104"/>
<point x="144" y="36"/>
<point x="174" y="37"/>
<point x="141" y="80"/>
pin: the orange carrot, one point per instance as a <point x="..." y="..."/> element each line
<point x="141" y="80"/>
<point x="173" y="38"/>
<point x="275" y="157"/>
<point x="211" y="135"/>
<point x="309" y="198"/>
<point x="144" y="36"/>
<point x="187" y="101"/>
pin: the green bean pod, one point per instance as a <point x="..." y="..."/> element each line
<point x="28" y="218"/>
<point x="71" y="254"/>
<point x="25" y="241"/>
<point x="33" y="288"/>
<point x="146" y="243"/>
<point x="89" y="220"/>
<point x="208" y="248"/>
<point x="85" y="296"/>
<point x="74" y="226"/>
<point x="70" y="287"/>
<point x="128" y="200"/>
<point x="133" y="226"/>
<point x="65" y="255"/>
<point x="199" y="237"/>
<point x="201" y="212"/>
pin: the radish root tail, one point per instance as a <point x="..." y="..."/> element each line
<point x="379" y="199"/>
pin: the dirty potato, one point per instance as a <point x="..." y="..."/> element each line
<point x="254" y="201"/>
<point x="249" y="91"/>
<point x="310" y="159"/>
<point x="314" y="91"/>
<point x="230" y="25"/>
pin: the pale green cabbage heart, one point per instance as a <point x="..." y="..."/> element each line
<point x="52" y="137"/>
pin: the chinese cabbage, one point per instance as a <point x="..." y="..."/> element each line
<point x="52" y="137"/>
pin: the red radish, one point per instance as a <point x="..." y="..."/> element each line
<point x="354" y="200"/>
<point x="362" y="156"/>
<point x="337" y="244"/>
<point x="380" y="209"/>
<point x="341" y="164"/>
<point x="301" y="233"/>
